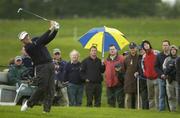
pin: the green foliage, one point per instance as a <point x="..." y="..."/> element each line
<point x="80" y="8"/>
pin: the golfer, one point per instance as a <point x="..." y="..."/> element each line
<point x="37" y="50"/>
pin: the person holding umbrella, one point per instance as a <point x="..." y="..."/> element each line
<point x="37" y="50"/>
<point x="114" y="82"/>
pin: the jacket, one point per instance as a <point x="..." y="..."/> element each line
<point x="159" y="63"/>
<point x="92" y="70"/>
<point x="149" y="62"/>
<point x="111" y="77"/>
<point x="15" y="74"/>
<point x="178" y="70"/>
<point x="38" y="51"/>
<point x="130" y="66"/>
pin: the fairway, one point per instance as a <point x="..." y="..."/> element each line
<point x="83" y="112"/>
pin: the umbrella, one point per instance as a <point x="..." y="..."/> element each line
<point x="102" y="37"/>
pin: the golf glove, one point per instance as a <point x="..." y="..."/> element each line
<point x="56" y="25"/>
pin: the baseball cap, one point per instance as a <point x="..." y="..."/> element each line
<point x="132" y="45"/>
<point x="56" y="50"/>
<point x="18" y="58"/>
<point x="22" y="35"/>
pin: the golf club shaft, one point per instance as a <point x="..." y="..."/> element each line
<point x="29" y="12"/>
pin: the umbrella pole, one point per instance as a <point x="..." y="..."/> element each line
<point x="103" y="47"/>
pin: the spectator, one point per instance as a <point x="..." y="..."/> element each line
<point x="72" y="75"/>
<point x="91" y="71"/>
<point x="150" y="73"/>
<point x="178" y="78"/>
<point x="114" y="83"/>
<point x="159" y="69"/>
<point x="61" y="95"/>
<point x="27" y="62"/>
<point x="130" y="66"/>
<point x="142" y="80"/>
<point x="16" y="71"/>
<point x="170" y="73"/>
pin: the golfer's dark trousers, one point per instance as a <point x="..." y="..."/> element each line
<point x="45" y="86"/>
<point x="93" y="93"/>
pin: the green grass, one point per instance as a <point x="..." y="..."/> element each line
<point x="153" y="29"/>
<point x="83" y="112"/>
<point x="136" y="30"/>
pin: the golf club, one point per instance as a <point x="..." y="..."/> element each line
<point x="29" y="12"/>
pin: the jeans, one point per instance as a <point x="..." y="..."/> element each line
<point x="162" y="94"/>
<point x="75" y="93"/>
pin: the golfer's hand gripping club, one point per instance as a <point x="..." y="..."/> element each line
<point x="54" y="25"/>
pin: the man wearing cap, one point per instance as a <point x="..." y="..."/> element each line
<point x="178" y="77"/>
<point x="37" y="50"/>
<point x="61" y="96"/>
<point x="169" y="69"/>
<point x="131" y="67"/>
<point x="16" y="71"/>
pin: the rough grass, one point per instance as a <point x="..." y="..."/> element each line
<point x="83" y="112"/>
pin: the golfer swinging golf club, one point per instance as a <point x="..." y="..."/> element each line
<point x="36" y="49"/>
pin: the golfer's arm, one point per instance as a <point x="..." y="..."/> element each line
<point x="46" y="37"/>
<point x="51" y="36"/>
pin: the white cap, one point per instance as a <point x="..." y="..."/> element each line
<point x="22" y="35"/>
<point x="56" y="50"/>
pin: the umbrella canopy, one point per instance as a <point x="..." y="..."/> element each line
<point x="102" y="37"/>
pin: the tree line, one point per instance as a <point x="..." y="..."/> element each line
<point x="89" y="8"/>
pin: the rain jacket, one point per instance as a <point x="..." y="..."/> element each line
<point x="15" y="74"/>
<point x="111" y="77"/>
<point x="149" y="63"/>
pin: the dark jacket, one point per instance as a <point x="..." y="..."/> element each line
<point x="92" y="70"/>
<point x="38" y="51"/>
<point x="169" y="68"/>
<point x="159" y="62"/>
<point x="130" y="66"/>
<point x="59" y="68"/>
<point x="178" y="70"/>
<point x="27" y="62"/>
<point x="72" y="73"/>
<point x="15" y="74"/>
<point x="141" y="66"/>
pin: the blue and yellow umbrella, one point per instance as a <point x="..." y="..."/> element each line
<point x="102" y="37"/>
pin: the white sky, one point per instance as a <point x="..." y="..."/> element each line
<point x="170" y="2"/>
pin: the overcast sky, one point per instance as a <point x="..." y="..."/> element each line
<point x="170" y="2"/>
